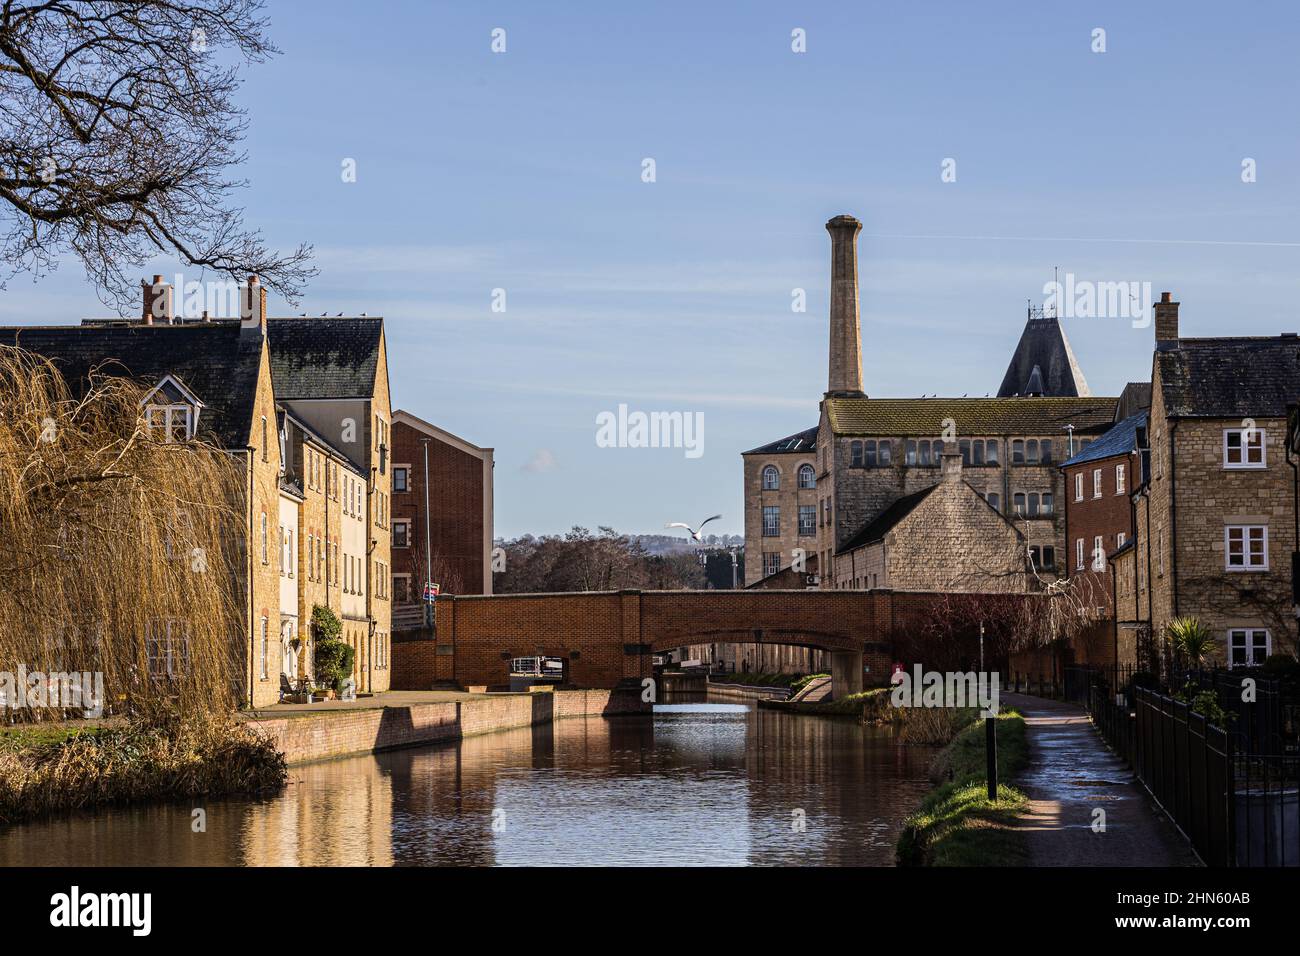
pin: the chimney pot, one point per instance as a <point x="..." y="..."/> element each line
<point x="157" y="301"/>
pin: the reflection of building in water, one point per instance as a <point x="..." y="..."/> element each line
<point x="338" y="813"/>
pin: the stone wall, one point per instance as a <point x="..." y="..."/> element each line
<point x="322" y="735"/>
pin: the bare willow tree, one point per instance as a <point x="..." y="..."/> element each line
<point x="119" y="554"/>
<point x="1020" y="606"/>
<point x="119" y="134"/>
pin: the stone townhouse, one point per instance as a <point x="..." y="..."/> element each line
<point x="331" y="374"/>
<point x="1216" y="521"/>
<point x="820" y="490"/>
<point x="223" y="381"/>
<point x="208" y="380"/>
<point x="321" y="473"/>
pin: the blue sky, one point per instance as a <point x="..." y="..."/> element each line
<point x="522" y="171"/>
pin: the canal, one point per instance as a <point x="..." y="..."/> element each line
<point x="700" y="783"/>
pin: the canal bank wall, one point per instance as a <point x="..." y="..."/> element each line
<point x="308" y="736"/>
<point x="747" y="692"/>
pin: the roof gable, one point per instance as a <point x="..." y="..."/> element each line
<point x="324" y="357"/>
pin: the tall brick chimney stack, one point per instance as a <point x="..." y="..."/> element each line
<point x="1166" y="323"/>
<point x="158" y="301"/>
<point x="252" y="308"/>
<point x="846" y="331"/>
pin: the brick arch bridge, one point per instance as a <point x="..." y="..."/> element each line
<point x="608" y="636"/>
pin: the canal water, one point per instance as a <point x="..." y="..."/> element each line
<point x="701" y="783"/>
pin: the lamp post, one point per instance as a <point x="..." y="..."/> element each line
<point x="990" y="736"/>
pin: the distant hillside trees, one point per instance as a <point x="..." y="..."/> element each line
<point x="582" y="561"/>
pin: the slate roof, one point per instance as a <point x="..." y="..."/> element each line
<point x="1230" y="377"/>
<point x="212" y="360"/>
<point x="973" y="416"/>
<point x="1043" y="363"/>
<point x="883" y="523"/>
<point x="799" y="443"/>
<point x="324" y="357"/>
<point x="1120" y="440"/>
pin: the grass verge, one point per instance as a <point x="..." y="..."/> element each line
<point x="42" y="774"/>
<point x="956" y="825"/>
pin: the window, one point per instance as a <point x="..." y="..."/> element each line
<point x="963" y="446"/>
<point x="1048" y="503"/>
<point x="169" y="423"/>
<point x="1243" y="448"/>
<point x="266" y="648"/>
<point x="977" y="453"/>
<point x="311" y="557"/>
<point x="994" y="500"/>
<point x="265" y="441"/>
<point x="807" y="476"/>
<point x="1098" y="553"/>
<point x="1246" y="547"/>
<point x="1019" y="502"/>
<point x="1045" y="448"/>
<point x="855" y="454"/>
<point x="1119" y="479"/>
<point x="1018" y="451"/>
<point x="991" y="451"/>
<point x="1078" y="486"/>
<point x="1120" y="538"/>
<point x="1042" y="558"/>
<point x="1078" y="554"/>
<point x="927" y="458"/>
<point x="400" y="474"/>
<point x="1096" y="482"/>
<point x="401" y="534"/>
<point x="1031" y="451"/>
<point x="771" y="521"/>
<point x="771" y="478"/>
<point x="807" y="520"/>
<point x="266" y="552"/>
<point x="1248" y="646"/>
<point x="771" y="563"/>
<point x="885" y="450"/>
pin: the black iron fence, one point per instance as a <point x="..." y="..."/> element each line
<point x="1232" y="787"/>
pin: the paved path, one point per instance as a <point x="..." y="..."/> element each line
<point x="1072" y="773"/>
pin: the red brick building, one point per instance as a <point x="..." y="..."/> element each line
<point x="452" y="544"/>
<point x="1098" y="509"/>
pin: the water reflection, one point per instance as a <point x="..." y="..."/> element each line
<point x="720" y="784"/>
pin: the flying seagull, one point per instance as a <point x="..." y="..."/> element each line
<point x="697" y="535"/>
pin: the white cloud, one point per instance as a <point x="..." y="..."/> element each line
<point x="543" y="460"/>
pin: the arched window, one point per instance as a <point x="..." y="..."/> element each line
<point x="1031" y="451"/>
<point x="771" y="478"/>
<point x="1018" y="451"/>
<point x="807" y="476"/>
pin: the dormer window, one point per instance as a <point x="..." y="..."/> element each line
<point x="171" y="411"/>
<point x="170" y="423"/>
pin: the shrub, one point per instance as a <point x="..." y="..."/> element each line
<point x="334" y="661"/>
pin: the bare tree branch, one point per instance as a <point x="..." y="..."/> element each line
<point x="118" y="138"/>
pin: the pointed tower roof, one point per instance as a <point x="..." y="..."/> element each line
<point x="1043" y="363"/>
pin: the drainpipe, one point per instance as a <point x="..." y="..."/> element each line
<point x="252" y="614"/>
<point x="1173" y="513"/>
<point x="1295" y="511"/>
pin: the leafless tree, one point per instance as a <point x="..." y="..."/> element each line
<point x="118" y="139"/>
